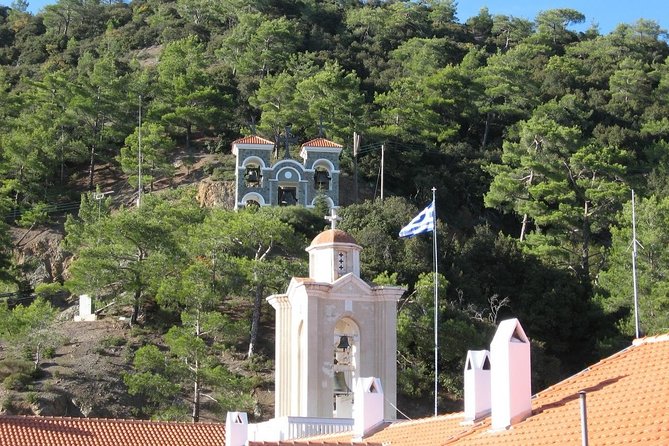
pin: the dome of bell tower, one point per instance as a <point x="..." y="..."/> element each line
<point x="333" y="253"/>
<point x="333" y="236"/>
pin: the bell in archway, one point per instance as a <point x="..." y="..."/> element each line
<point x="322" y="179"/>
<point x="252" y="176"/>
<point x="340" y="386"/>
<point x="343" y="343"/>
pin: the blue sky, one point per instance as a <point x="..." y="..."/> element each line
<point x="606" y="13"/>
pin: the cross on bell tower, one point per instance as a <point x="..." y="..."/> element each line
<point x="333" y="218"/>
<point x="287" y="139"/>
<point x="321" y="128"/>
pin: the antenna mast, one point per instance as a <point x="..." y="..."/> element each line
<point x="139" y="155"/>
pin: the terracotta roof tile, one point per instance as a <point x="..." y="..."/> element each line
<point x="312" y="443"/>
<point x="321" y="142"/>
<point x="627" y="397"/>
<point x="61" y="431"/>
<point x="253" y="139"/>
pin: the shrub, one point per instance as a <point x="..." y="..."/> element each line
<point x="49" y="352"/>
<point x="49" y="291"/>
<point x="11" y="366"/>
<point x="17" y="381"/>
<point x="113" y="341"/>
<point x="32" y="397"/>
<point x="7" y="403"/>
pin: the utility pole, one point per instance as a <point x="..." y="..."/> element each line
<point x="139" y="155"/>
<point x="356" y="147"/>
<point x="383" y="151"/>
<point x="99" y="196"/>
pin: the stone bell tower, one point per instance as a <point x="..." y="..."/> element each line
<point x="332" y="327"/>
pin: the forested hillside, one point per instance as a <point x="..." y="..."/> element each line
<point x="533" y="134"/>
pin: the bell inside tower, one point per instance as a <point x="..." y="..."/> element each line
<point x="345" y="363"/>
<point x="321" y="179"/>
<point x="252" y="176"/>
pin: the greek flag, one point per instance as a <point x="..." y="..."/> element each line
<point x="423" y="222"/>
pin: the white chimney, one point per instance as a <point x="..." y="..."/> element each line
<point x="510" y="375"/>
<point x="236" y="429"/>
<point x="477" y="384"/>
<point x="368" y="405"/>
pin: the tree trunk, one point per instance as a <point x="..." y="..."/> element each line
<point x="523" y="227"/>
<point x="188" y="138"/>
<point x="255" y="319"/>
<point x="196" y="395"/>
<point x="486" y="131"/>
<point x="135" y="307"/>
<point x="38" y="356"/>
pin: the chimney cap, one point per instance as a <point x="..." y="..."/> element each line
<point x="509" y="330"/>
<point x="477" y="360"/>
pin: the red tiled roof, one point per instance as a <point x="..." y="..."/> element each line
<point x="61" y="431"/>
<point x="627" y="397"/>
<point x="253" y="139"/>
<point x="321" y="142"/>
<point x="312" y="443"/>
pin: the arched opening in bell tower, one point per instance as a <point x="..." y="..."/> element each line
<point x="346" y="363"/>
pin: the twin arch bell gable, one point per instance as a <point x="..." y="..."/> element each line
<point x="275" y="181"/>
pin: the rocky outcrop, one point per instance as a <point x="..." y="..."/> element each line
<point x="212" y="193"/>
<point x="39" y="253"/>
<point x="50" y="404"/>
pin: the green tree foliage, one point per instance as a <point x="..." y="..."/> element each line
<point x="415" y="340"/>
<point x="617" y="294"/>
<point x="491" y="279"/>
<point x="156" y="148"/>
<point x="29" y="328"/>
<point x="567" y="186"/>
<point x="187" y="98"/>
<point x="553" y="24"/>
<point x="376" y="226"/>
<point x="203" y="330"/>
<point x="37" y="144"/>
<point x="93" y="206"/>
<point x="124" y="256"/>
<point x="98" y="109"/>
<point x="263" y="249"/>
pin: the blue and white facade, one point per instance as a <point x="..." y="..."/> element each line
<point x="284" y="182"/>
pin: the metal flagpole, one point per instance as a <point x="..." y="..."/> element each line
<point x="436" y="300"/>
<point x="634" y="253"/>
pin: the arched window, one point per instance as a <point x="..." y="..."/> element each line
<point x="252" y="199"/>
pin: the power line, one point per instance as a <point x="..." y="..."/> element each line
<point x="56" y="208"/>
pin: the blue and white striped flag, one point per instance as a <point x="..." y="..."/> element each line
<point x="423" y="222"/>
